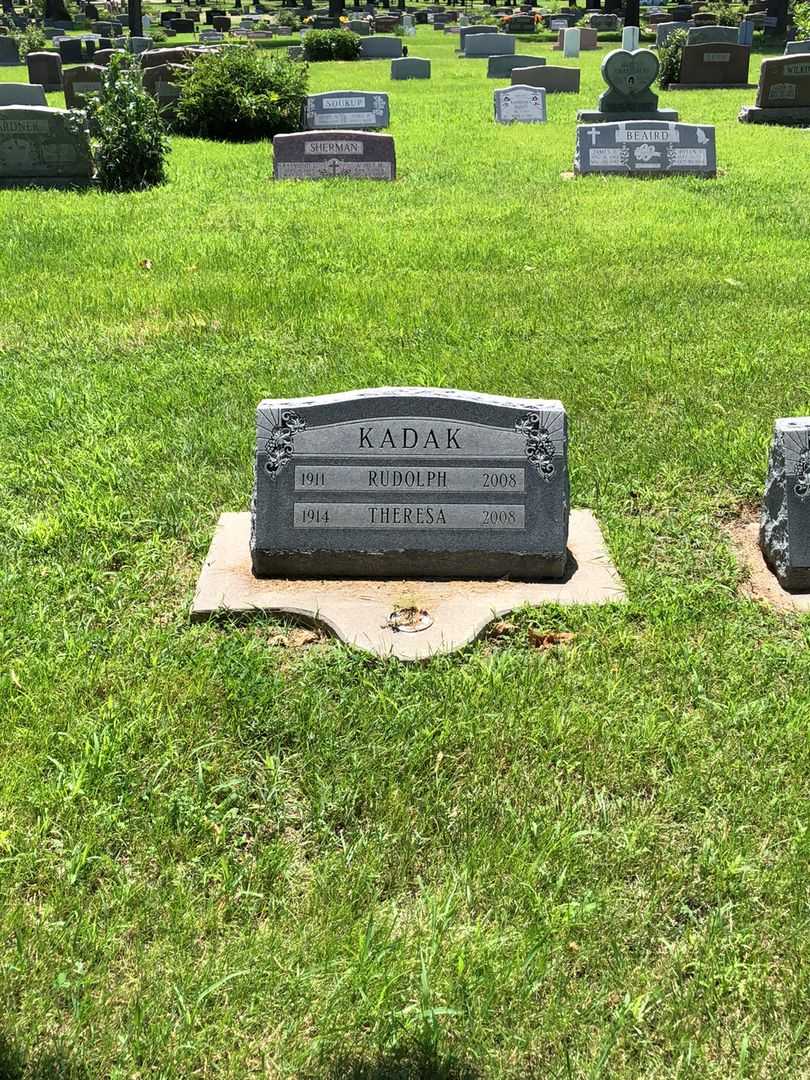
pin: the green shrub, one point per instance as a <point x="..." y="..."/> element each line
<point x="290" y="20"/>
<point x="129" y="142"/>
<point x="31" y="39"/>
<point x="237" y="95"/>
<point x="801" y="19"/>
<point x="157" y="34"/>
<point x="669" y="55"/>
<point x="331" y="45"/>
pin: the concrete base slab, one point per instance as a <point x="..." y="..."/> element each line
<point x="595" y="116"/>
<point x="358" y="612"/>
<point x="712" y="86"/>
<point x="752" y="114"/>
<point x="762" y="584"/>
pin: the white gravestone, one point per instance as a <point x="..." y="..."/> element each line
<point x="630" y="38"/>
<point x="520" y="104"/>
<point x="571" y="43"/>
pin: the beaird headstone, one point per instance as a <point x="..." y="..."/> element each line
<point x="785" y="523"/>
<point x="358" y="155"/>
<point x="783" y="95"/>
<point x="416" y="482"/>
<point x="554" y="80"/>
<point x="520" y="104"/>
<point x="351" y="109"/>
<point x="646" y="148"/>
<point x="43" y="148"/>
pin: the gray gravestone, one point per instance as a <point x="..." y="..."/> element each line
<point x="663" y="31"/>
<point x="471" y="31"/>
<point x="784" y="534"/>
<point x="43" y="148"/>
<point x="713" y="35"/>
<point x="554" y="80"/>
<point x="605" y="22"/>
<point x="783" y="95"/>
<point x="9" y="55"/>
<point x="45" y="68"/>
<point x="163" y="84"/>
<point x="80" y="81"/>
<point x="407" y="481"/>
<point x="380" y="48"/>
<point x="22" y="94"/>
<point x="410" y="67"/>
<point x="646" y="148"/>
<point x="793" y="47"/>
<point x="360" y="27"/>
<point x="350" y="109"/>
<point x="501" y="67"/>
<point x="357" y="155"/>
<point x="719" y="66"/>
<point x="482" y="45"/>
<point x="137" y="45"/>
<point x="70" y="50"/>
<point x="629" y="76"/>
<point x="520" y="104"/>
<point x="521" y="24"/>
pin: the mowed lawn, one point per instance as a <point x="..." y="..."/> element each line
<point x="225" y="853"/>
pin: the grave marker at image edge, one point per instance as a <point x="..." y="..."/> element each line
<point x="380" y="483"/>
<point x="43" y="148"/>
<point x="520" y="104"/>
<point x="646" y="148"/>
<point x="785" y="522"/>
<point x="783" y="95"/>
<point x="322" y="155"/>
<point x="350" y="109"/>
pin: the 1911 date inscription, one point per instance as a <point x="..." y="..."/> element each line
<point x="382" y="478"/>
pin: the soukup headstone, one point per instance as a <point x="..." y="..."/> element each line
<point x="783" y="96"/>
<point x="47" y="148"/>
<point x="714" y="66"/>
<point x="646" y="148"/>
<point x="357" y="155"/>
<point x="351" y="109"/>
<point x="629" y="96"/>
<point x="785" y="523"/>
<point x="410" y="482"/>
<point x="554" y="80"/>
<point x="520" y="104"/>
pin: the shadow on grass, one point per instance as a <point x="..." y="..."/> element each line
<point x="411" y="1063"/>
<point x="16" y="1064"/>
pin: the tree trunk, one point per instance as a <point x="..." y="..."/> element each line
<point x="55" y="11"/>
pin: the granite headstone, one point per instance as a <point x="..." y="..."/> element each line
<point x="520" y="104"/>
<point x="80" y="81"/>
<point x="646" y="148"/>
<point x="351" y="109"/>
<point x="410" y="67"/>
<point x="482" y="45"/>
<point x="379" y="47"/>
<point x="554" y="80"/>
<point x="22" y="94"/>
<point x="43" y="148"/>
<point x="501" y="67"/>
<point x="358" y="155"/>
<point x="785" y="523"/>
<point x="783" y="95"/>
<point x="45" y="68"/>
<point x="629" y="96"/>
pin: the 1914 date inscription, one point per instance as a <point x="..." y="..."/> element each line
<point x="326" y="515"/>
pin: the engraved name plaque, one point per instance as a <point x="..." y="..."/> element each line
<point x="407" y="481"/>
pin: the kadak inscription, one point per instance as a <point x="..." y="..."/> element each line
<point x="407" y="481"/>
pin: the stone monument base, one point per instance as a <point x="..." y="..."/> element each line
<point x="359" y="612"/>
<point x="753" y="114"/>
<point x="596" y="116"/>
<point x="712" y="86"/>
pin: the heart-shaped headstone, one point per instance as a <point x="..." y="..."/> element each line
<point x="630" y="73"/>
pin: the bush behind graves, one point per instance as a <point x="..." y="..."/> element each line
<point x="290" y="20"/>
<point x="801" y="19"/>
<point x="332" y="45"/>
<point x="129" y="144"/>
<point x="239" y="96"/>
<point x="669" y="55"/>
<point x="30" y="39"/>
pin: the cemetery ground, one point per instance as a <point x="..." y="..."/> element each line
<point x="239" y="849"/>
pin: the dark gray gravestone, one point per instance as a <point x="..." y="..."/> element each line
<point x="9" y="55"/>
<point x="470" y="31"/>
<point x="664" y="29"/>
<point x="629" y="76"/>
<point x="80" y="81"/>
<point x="43" y="148"/>
<point x="521" y="105"/>
<point x="70" y="50"/>
<point x="784" y="534"/>
<point x="554" y="80"/>
<point x="797" y="47"/>
<point x="410" y="67"/>
<point x="22" y="94"/>
<point x="358" y="155"/>
<point x="501" y="67"/>
<point x="408" y="481"/>
<point x="481" y="45"/>
<point x="350" y="109"/>
<point x="45" y="68"/>
<point x="521" y="24"/>
<point x="380" y="48"/>
<point x="713" y="35"/>
<point x="783" y="96"/>
<point x="646" y="148"/>
<point x="715" y="65"/>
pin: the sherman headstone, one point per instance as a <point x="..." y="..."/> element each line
<point x="501" y="67"/>
<point x="408" y="481"/>
<point x="784" y="534"/>
<point x="646" y="148"/>
<point x="554" y="80"/>
<point x="629" y="77"/>
<point x="713" y="66"/>
<point x="352" y="109"/>
<point x="43" y="148"/>
<point x="410" y="67"/>
<point x="357" y="155"/>
<point x="520" y="104"/>
<point x="22" y="94"/>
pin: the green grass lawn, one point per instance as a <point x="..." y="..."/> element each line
<point x="221" y="857"/>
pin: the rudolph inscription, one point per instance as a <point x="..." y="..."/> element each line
<point x="409" y="481"/>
